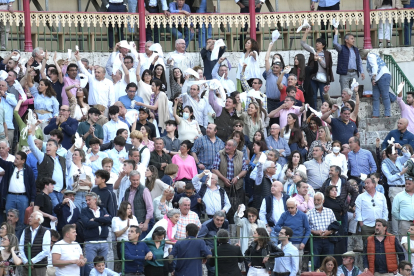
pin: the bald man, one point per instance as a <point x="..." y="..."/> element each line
<point x="66" y="124"/>
<point x="273" y="206"/>
<point x="8" y="102"/>
<point x="401" y="134"/>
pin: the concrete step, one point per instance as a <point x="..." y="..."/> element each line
<point x="379" y="124"/>
<point x="368" y="138"/>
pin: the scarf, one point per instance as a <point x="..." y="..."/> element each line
<point x="72" y="207"/>
<point x="170" y="229"/>
<point x="391" y="166"/>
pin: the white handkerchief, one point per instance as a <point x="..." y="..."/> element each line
<point x="19" y="88"/>
<point x="335" y="24"/>
<point x="77" y="48"/>
<point x="53" y="225"/>
<point x="193" y="73"/>
<point x="208" y="182"/>
<point x="38" y="67"/>
<point x="400" y="87"/>
<point x="304" y="25"/>
<point x="117" y="63"/>
<point x="15" y="58"/>
<point x="83" y="80"/>
<point x="213" y="84"/>
<point x="275" y="35"/>
<point x="241" y="211"/>
<point x="69" y="53"/>
<point x="130" y="116"/>
<point x="78" y="141"/>
<point x="156" y="47"/>
<point x="72" y="206"/>
<point x="3" y="75"/>
<point x="214" y="54"/>
<point x="354" y="84"/>
<point x="23" y="61"/>
<point x="132" y="104"/>
<point x="363" y="176"/>
<point x="262" y="158"/>
<point x="255" y="94"/>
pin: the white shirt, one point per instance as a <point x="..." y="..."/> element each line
<point x="119" y="89"/>
<point x="278" y="209"/>
<point x="338" y="160"/>
<point x="144" y="156"/>
<point x="125" y="183"/>
<point x="404" y="241"/>
<point x="338" y="186"/>
<point x="147" y="60"/>
<point x="97" y="214"/>
<point x="132" y="75"/>
<point x="45" y="246"/>
<point x="372" y="59"/>
<point x="110" y="129"/>
<point x="67" y="251"/>
<point x="100" y="92"/>
<point x="17" y="184"/>
<point x="118" y="224"/>
<point x="9" y="158"/>
<point x="366" y="212"/>
<point x="199" y="108"/>
<point x="181" y="60"/>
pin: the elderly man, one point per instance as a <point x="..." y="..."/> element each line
<point x="402" y="209"/>
<point x="96" y="221"/>
<point x="39" y="238"/>
<point x="199" y="105"/>
<point x="101" y="90"/>
<point x="131" y="97"/>
<point x="18" y="185"/>
<point x="348" y="265"/>
<point x="346" y="96"/>
<point x="317" y="169"/>
<point x="140" y="198"/>
<point x="342" y="128"/>
<point x="8" y="102"/>
<point x="304" y="202"/>
<point x="211" y="66"/>
<point x="360" y="161"/>
<point x="179" y="56"/>
<point x="370" y="205"/>
<point x="214" y="198"/>
<point x="298" y="222"/>
<point x="159" y="158"/>
<point x="349" y="61"/>
<point x="401" y="135"/>
<point x="49" y="164"/>
<point x="209" y="230"/>
<point x="65" y="123"/>
<point x="14" y="87"/>
<point x="320" y="219"/>
<point x="382" y="251"/>
<point x="148" y="56"/>
<point x="230" y="167"/>
<point x="221" y="72"/>
<point x="274" y="141"/>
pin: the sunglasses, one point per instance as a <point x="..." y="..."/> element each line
<point x="373" y="202"/>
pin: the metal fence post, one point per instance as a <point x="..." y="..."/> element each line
<point x="215" y="255"/>
<point x="29" y="254"/>
<point x="311" y="251"/>
<point x="409" y="247"/>
<point x="123" y="256"/>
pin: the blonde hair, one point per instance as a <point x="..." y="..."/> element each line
<point x="327" y="133"/>
<point x="136" y="134"/>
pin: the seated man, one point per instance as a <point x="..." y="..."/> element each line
<point x="66" y="212"/>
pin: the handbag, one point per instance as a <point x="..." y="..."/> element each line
<point x="79" y="188"/>
<point x="321" y="77"/>
<point x="234" y="199"/>
<point x="27" y="214"/>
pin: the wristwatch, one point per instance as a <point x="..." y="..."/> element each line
<point x="238" y="178"/>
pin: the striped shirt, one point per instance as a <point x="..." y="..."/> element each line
<point x="206" y="150"/>
<point x="320" y="220"/>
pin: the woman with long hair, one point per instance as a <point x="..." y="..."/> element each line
<point x="251" y="49"/>
<point x="187" y="168"/>
<point x="78" y="105"/>
<point x="311" y="128"/>
<point x="238" y="136"/>
<point x="252" y="118"/>
<point x="299" y="69"/>
<point x="294" y="164"/>
<point x="158" y="73"/>
<point x="176" y="80"/>
<point x="188" y="128"/>
<point x="146" y="132"/>
<point x="144" y="82"/>
<point x="292" y="122"/>
<point x="324" y="140"/>
<point x="154" y="185"/>
<point x="9" y="256"/>
<point x="329" y="266"/>
<point x="260" y="251"/>
<point x="156" y="245"/>
<point x="258" y="136"/>
<point x="332" y="202"/>
<point x="121" y="223"/>
<point x="298" y="143"/>
<point x="6" y="228"/>
<point x="354" y="107"/>
<point x="21" y="124"/>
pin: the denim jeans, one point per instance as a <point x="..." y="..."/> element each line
<point x="315" y="86"/>
<point x="202" y="34"/>
<point x="19" y="202"/>
<point x="381" y="88"/>
<point x="56" y="197"/>
<point x="115" y="8"/>
<point x="95" y="249"/>
<point x="80" y="200"/>
<point x="132" y="8"/>
<point x="321" y="247"/>
<point x="148" y="30"/>
<point x="187" y="34"/>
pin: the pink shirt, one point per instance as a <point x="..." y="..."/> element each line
<point x="186" y="168"/>
<point x="146" y="195"/>
<point x="25" y="105"/>
<point x="68" y="82"/>
<point x="407" y="112"/>
<point x="302" y="205"/>
<point x="282" y="114"/>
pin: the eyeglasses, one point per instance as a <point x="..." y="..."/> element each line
<point x="63" y="109"/>
<point x="407" y="269"/>
<point x="373" y="202"/>
<point x="251" y="216"/>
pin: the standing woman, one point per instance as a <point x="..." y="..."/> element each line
<point x="354" y="107"/>
<point x="156" y="245"/>
<point x="188" y="128"/>
<point x="259" y="253"/>
<point x="158" y="73"/>
<point x="187" y="168"/>
<point x="324" y="76"/>
<point x="311" y="128"/>
<point x="121" y="223"/>
<point x="298" y="143"/>
<point x="299" y="69"/>
<point x="78" y="105"/>
<point x="9" y="258"/>
<point x="324" y="140"/>
<point x="292" y="122"/>
<point x="252" y="119"/>
<point x="251" y="49"/>
<point x="144" y="83"/>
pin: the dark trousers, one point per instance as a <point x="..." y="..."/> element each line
<point x="153" y="270"/>
<point x="272" y="105"/>
<point x="321" y="247"/>
<point x="241" y="200"/>
<point x="115" y="8"/>
<point x="242" y="37"/>
<point x="148" y="30"/>
<point x="323" y="26"/>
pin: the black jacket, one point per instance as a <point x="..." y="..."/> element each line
<point x="108" y="199"/>
<point x="227" y="266"/>
<point x="345" y="190"/>
<point x="270" y="249"/>
<point x="62" y="212"/>
<point x="91" y="227"/>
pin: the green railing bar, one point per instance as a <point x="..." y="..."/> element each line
<point x="397" y="73"/>
<point x="409" y="247"/>
<point x="311" y="251"/>
<point x="29" y="257"/>
<point x="215" y="255"/>
<point x="123" y="256"/>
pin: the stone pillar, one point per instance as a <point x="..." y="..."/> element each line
<point x="28" y="46"/>
<point x="252" y="12"/>
<point x="367" y="25"/>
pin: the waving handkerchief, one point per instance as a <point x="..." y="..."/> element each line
<point x="16" y="57"/>
<point x="23" y="61"/>
<point x="191" y="72"/>
<point x="363" y="176"/>
<point x="216" y="85"/>
<point x="134" y="49"/>
<point x="69" y="53"/>
<point x="3" y="75"/>
<point x="157" y="48"/>
<point x="255" y="94"/>
<point x="19" y="88"/>
<point x="335" y="24"/>
<point x="354" y="84"/>
<point x="241" y="211"/>
<point x="31" y="120"/>
<point x="400" y="87"/>
<point x="117" y="63"/>
<point x="72" y="206"/>
<point x="130" y="116"/>
<point x="214" y="54"/>
<point x="304" y="25"/>
<point x="262" y="158"/>
<point x="275" y="35"/>
<point x="78" y="141"/>
<point x="391" y="142"/>
<point x="83" y="80"/>
<point x="77" y="48"/>
<point x="38" y="67"/>
<point x="253" y="68"/>
<point x="208" y="182"/>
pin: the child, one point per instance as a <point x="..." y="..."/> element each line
<point x="99" y="268"/>
<point x="376" y="178"/>
<point x="107" y="164"/>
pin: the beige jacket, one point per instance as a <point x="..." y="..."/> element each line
<point x="395" y="4"/>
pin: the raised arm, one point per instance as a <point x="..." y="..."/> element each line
<point x="336" y="45"/>
<point x="243" y="80"/>
<point x="177" y="118"/>
<point x="60" y="74"/>
<point x="354" y="114"/>
<point x="326" y="117"/>
<point x="42" y="69"/>
<point x="138" y="71"/>
<point x="126" y="73"/>
<point x="267" y="57"/>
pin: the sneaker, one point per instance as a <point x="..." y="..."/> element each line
<point x="380" y="45"/>
<point x="389" y="45"/>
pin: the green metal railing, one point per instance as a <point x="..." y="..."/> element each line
<point x="311" y="254"/>
<point x="398" y="76"/>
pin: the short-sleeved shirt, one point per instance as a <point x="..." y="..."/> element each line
<point x="342" y="131"/>
<point x="67" y="251"/>
<point x="83" y="128"/>
<point x="45" y="205"/>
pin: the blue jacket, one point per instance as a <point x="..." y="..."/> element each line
<point x="91" y="228"/>
<point x="135" y="253"/>
<point x="407" y="138"/>
<point x="299" y="224"/>
<point x="32" y="163"/>
<point x="343" y="60"/>
<point x="68" y="128"/>
<point x="29" y="182"/>
<point x="209" y="230"/>
<point x="62" y="212"/>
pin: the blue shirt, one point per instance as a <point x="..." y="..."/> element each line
<point x="326" y="3"/>
<point x="278" y="145"/>
<point x="42" y="102"/>
<point x="97" y="164"/>
<point x="135" y="254"/>
<point x="272" y="90"/>
<point x="189" y="248"/>
<point x="342" y="131"/>
<point x="126" y="101"/>
<point x="289" y="262"/>
<point x="115" y="155"/>
<point x="402" y="206"/>
<point x="206" y="150"/>
<point x="399" y="137"/>
<point x="57" y="168"/>
<point x="395" y="179"/>
<point x="361" y="162"/>
<point x="8" y="103"/>
<point x="352" y="58"/>
<point x="298" y="223"/>
<point x="31" y="161"/>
